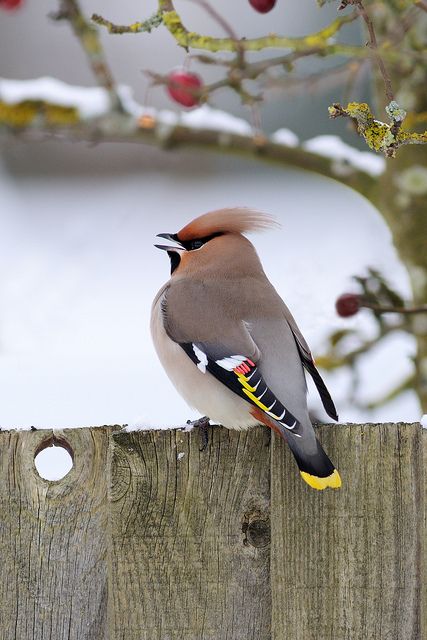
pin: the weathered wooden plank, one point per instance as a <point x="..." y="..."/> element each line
<point x="53" y="570"/>
<point x="185" y="538"/>
<point x="348" y="564"/>
<point x="182" y="566"/>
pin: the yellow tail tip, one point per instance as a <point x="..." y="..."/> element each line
<point x="333" y="480"/>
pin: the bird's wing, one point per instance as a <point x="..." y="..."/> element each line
<point x="309" y="364"/>
<point x="217" y="341"/>
<point x="242" y="376"/>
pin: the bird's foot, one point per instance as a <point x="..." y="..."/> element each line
<point x="202" y="424"/>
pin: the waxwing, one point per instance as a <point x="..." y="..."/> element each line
<point x="229" y="343"/>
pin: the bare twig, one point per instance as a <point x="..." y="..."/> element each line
<point x="88" y="37"/>
<point x="373" y="44"/>
<point x="333" y="360"/>
<point x="390" y="309"/>
<point x="374" y="47"/>
<point x="328" y="78"/>
<point x="240" y="51"/>
<point x="236" y="76"/>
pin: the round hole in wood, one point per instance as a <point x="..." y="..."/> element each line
<point x="54" y="458"/>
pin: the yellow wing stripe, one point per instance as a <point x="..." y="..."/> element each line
<point x="333" y="480"/>
<point x="243" y="381"/>
<point x="255" y="399"/>
<point x="248" y="390"/>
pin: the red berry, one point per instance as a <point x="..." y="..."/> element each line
<point x="184" y="87"/>
<point x="348" y="304"/>
<point x="10" y="4"/>
<point x="262" y="6"/>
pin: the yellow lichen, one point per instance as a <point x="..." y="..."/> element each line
<point x="22" y="114"/>
<point x="406" y="137"/>
<point x="135" y="27"/>
<point x="59" y="115"/>
<point x="377" y="135"/>
<point x="185" y="38"/>
<point x="360" y="111"/>
<point x="17" y="115"/>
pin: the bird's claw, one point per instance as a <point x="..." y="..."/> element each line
<point x="202" y="424"/>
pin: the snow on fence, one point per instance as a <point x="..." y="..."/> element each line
<point x="147" y="538"/>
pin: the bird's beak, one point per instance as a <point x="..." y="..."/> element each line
<point x="169" y="236"/>
<point x="166" y="247"/>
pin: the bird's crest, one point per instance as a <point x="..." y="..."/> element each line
<point x="239" y="220"/>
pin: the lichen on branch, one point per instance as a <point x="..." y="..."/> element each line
<point x="145" y="26"/>
<point x="190" y="39"/>
<point x="379" y="136"/>
<point x="28" y="112"/>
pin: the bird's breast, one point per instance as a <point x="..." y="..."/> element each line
<point x="200" y="390"/>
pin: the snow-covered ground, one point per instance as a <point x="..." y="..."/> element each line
<point x="79" y="270"/>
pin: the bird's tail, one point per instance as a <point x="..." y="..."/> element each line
<point x="315" y="467"/>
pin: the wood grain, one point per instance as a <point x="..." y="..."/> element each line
<point x="350" y="564"/>
<point x="147" y="538"/>
<point x="53" y="572"/>
<point x="190" y="547"/>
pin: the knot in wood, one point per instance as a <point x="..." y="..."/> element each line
<point x="256" y="529"/>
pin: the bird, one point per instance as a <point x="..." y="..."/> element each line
<point x="229" y="343"/>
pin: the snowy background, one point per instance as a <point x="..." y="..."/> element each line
<point x="78" y="269"/>
<point x="79" y="272"/>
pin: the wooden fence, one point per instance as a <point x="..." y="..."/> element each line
<point x="147" y="538"/>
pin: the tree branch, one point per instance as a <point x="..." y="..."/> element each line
<point x="372" y="43"/>
<point x="88" y="37"/>
<point x="315" y="43"/>
<point x="137" y="27"/>
<point x="333" y="359"/>
<point x="379" y="308"/>
<point x="149" y="129"/>
<point x="190" y="39"/>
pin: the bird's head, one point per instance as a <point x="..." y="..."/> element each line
<point x="215" y="238"/>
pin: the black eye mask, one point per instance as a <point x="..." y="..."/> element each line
<point x="197" y="243"/>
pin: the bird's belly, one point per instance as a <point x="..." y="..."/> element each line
<point x="200" y="390"/>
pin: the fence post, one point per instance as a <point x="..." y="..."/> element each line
<point x="53" y="539"/>
<point x="349" y="564"/>
<point x="190" y="536"/>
